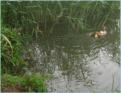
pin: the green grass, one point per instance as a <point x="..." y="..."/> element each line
<point x="11" y="50"/>
<point x="32" y="83"/>
<point x="41" y="19"/>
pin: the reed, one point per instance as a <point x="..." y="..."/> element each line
<point x="40" y="19"/>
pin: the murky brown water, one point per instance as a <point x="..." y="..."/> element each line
<point x="79" y="63"/>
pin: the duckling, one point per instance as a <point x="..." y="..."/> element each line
<point x="99" y="33"/>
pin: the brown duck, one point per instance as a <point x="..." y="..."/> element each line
<point x="99" y="34"/>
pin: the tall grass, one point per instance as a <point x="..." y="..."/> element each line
<point x="41" y="19"/>
<point x="10" y="51"/>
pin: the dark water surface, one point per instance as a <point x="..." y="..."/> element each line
<point x="78" y="62"/>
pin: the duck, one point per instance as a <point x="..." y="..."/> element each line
<point x="99" y="34"/>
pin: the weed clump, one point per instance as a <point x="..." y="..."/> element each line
<point x="33" y="83"/>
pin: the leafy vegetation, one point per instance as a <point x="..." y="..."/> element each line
<point x="11" y="54"/>
<point x="13" y="63"/>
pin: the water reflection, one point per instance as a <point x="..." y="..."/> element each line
<point x="78" y="62"/>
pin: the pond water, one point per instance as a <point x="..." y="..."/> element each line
<point x="78" y="62"/>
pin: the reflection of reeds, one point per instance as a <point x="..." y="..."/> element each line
<point x="77" y="16"/>
<point x="113" y="89"/>
<point x="113" y="82"/>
